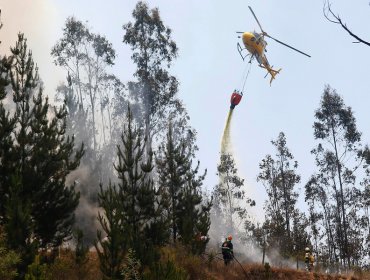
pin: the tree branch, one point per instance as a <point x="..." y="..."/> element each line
<point x="330" y="16"/>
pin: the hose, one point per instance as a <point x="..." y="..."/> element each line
<point x="216" y="257"/>
<point x="246" y="275"/>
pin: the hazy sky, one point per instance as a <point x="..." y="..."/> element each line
<point x="209" y="67"/>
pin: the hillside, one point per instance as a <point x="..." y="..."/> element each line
<point x="177" y="264"/>
<point x="257" y="272"/>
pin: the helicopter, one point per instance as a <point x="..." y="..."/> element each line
<point x="255" y="44"/>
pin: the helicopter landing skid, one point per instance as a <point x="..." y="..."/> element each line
<point x="240" y="50"/>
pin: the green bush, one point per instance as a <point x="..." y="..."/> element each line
<point x="131" y="270"/>
<point x="166" y="271"/>
<point x="37" y="271"/>
<point x="9" y="260"/>
<point x="8" y="264"/>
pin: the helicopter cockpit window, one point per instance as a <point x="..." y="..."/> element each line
<point x="253" y="39"/>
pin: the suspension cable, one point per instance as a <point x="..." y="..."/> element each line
<point x="246" y="76"/>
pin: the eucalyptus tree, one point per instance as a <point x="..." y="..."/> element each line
<point x="279" y="177"/>
<point x="230" y="195"/>
<point x="338" y="154"/>
<point x="86" y="56"/>
<point x="153" y="52"/>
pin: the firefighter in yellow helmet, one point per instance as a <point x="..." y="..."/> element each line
<point x="227" y="250"/>
<point x="309" y="259"/>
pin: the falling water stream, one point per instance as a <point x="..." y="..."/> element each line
<point x="225" y="141"/>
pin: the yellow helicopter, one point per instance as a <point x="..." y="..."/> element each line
<point x="255" y="44"/>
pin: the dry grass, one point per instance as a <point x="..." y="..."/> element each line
<point x="234" y="271"/>
<point x="198" y="268"/>
<point x="65" y="268"/>
<point x="202" y="268"/>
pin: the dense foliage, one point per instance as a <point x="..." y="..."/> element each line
<point x="133" y="180"/>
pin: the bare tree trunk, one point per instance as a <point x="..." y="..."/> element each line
<point x="110" y="122"/>
<point x="287" y="222"/>
<point x="342" y="201"/>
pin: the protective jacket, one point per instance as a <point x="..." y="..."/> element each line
<point x="227" y="251"/>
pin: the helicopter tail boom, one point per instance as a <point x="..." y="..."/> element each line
<point x="271" y="71"/>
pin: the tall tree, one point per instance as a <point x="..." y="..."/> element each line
<point x="37" y="161"/>
<point x="86" y="56"/>
<point x="89" y="95"/>
<point x="173" y="163"/>
<point x="230" y="194"/>
<point x="153" y="51"/>
<point x="279" y="177"/>
<point x="180" y="187"/>
<point x="338" y="156"/>
<point x="321" y="216"/>
<point x="7" y="126"/>
<point x="365" y="201"/>
<point x="135" y="207"/>
<point x="193" y="212"/>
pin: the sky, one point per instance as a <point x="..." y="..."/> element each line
<point x="209" y="68"/>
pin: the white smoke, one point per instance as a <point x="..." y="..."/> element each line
<point x="37" y="19"/>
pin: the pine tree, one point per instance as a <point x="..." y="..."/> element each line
<point x="36" y="157"/>
<point x="180" y="187"/>
<point x="136" y="191"/>
<point x="131" y="271"/>
<point x="173" y="162"/>
<point x="18" y="219"/>
<point x="131" y="208"/>
<point x="52" y="161"/>
<point x="193" y="213"/>
<point x="111" y="250"/>
<point x="7" y="126"/>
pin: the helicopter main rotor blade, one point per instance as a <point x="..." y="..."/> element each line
<point x="286" y="45"/>
<point x="255" y="18"/>
<point x="239" y="32"/>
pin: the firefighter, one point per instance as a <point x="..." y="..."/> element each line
<point x="227" y="250"/>
<point x="309" y="259"/>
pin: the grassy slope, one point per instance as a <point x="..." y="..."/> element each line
<point x="198" y="268"/>
<point x="253" y="271"/>
<point x="206" y="268"/>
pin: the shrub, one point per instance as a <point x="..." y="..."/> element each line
<point x="9" y="260"/>
<point x="131" y="270"/>
<point x="166" y="271"/>
<point x="37" y="271"/>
